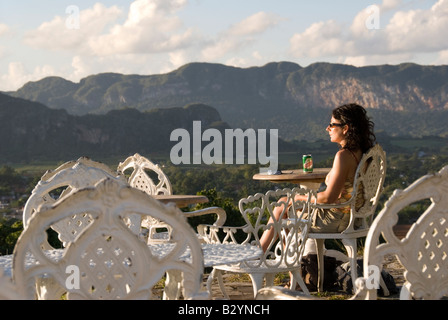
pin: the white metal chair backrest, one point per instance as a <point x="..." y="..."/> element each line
<point x="72" y="176"/>
<point x="290" y="231"/>
<point x="84" y="160"/>
<point x="367" y="188"/>
<point x="112" y="261"/>
<point x="424" y="250"/>
<point x="141" y="180"/>
<point x="38" y="196"/>
<point x="284" y="251"/>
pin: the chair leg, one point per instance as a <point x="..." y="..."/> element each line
<point x="320" y="263"/>
<point x="221" y="285"/>
<point x="351" y="247"/>
<point x="405" y="293"/>
<point x="383" y="286"/>
<point x="218" y="275"/>
<point x="296" y="277"/>
<point x="172" y="285"/>
<point x="209" y="282"/>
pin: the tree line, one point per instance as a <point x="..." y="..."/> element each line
<point x="224" y="185"/>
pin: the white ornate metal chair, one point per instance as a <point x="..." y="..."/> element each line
<point x="107" y="260"/>
<point x="284" y="253"/>
<point x="368" y="184"/>
<point x="69" y="177"/>
<point x="424" y="250"/>
<point x="57" y="183"/>
<point x="140" y="179"/>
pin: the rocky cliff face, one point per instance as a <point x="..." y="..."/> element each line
<point x="331" y="92"/>
<point x="406" y="87"/>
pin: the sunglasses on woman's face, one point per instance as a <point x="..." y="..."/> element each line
<point x="332" y="124"/>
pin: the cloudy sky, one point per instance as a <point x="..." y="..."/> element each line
<point x="77" y="38"/>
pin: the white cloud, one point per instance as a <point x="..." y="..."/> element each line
<point x="371" y="39"/>
<point x="254" y="59"/>
<point x="83" y="66"/>
<point x="17" y="75"/>
<point x="442" y="58"/>
<point x="147" y="37"/>
<point x="321" y="39"/>
<point x="254" y="24"/>
<point x="4" y="29"/>
<point x="419" y="30"/>
<point x="57" y="35"/>
<point x="178" y="58"/>
<point x="150" y="26"/>
<point x="239" y="35"/>
<point x="370" y="60"/>
<point x="390" y="5"/>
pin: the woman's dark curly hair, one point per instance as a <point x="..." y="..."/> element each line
<point x="360" y="133"/>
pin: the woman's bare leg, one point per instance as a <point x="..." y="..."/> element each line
<point x="268" y="234"/>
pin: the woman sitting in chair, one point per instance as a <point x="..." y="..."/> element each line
<point x="351" y="128"/>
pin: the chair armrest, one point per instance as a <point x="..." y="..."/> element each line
<point x="220" y="212"/>
<point x="209" y="233"/>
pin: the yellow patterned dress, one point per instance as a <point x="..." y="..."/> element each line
<point x="337" y="219"/>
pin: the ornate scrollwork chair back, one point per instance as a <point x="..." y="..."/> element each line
<point x="69" y="177"/>
<point x="284" y="253"/>
<point x="112" y="261"/>
<point x="367" y="189"/>
<point x="140" y="178"/>
<point x="423" y="252"/>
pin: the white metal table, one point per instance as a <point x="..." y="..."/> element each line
<point x="214" y="253"/>
<point x="308" y="180"/>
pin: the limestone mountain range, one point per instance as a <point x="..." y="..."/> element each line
<point x="401" y="99"/>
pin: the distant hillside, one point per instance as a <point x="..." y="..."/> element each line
<point x="281" y="95"/>
<point x="31" y="131"/>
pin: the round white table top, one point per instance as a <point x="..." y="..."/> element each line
<point x="214" y="254"/>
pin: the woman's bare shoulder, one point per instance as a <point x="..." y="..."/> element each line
<point x="345" y="158"/>
<point x="343" y="154"/>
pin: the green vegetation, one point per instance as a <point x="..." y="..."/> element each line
<point x="10" y="230"/>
